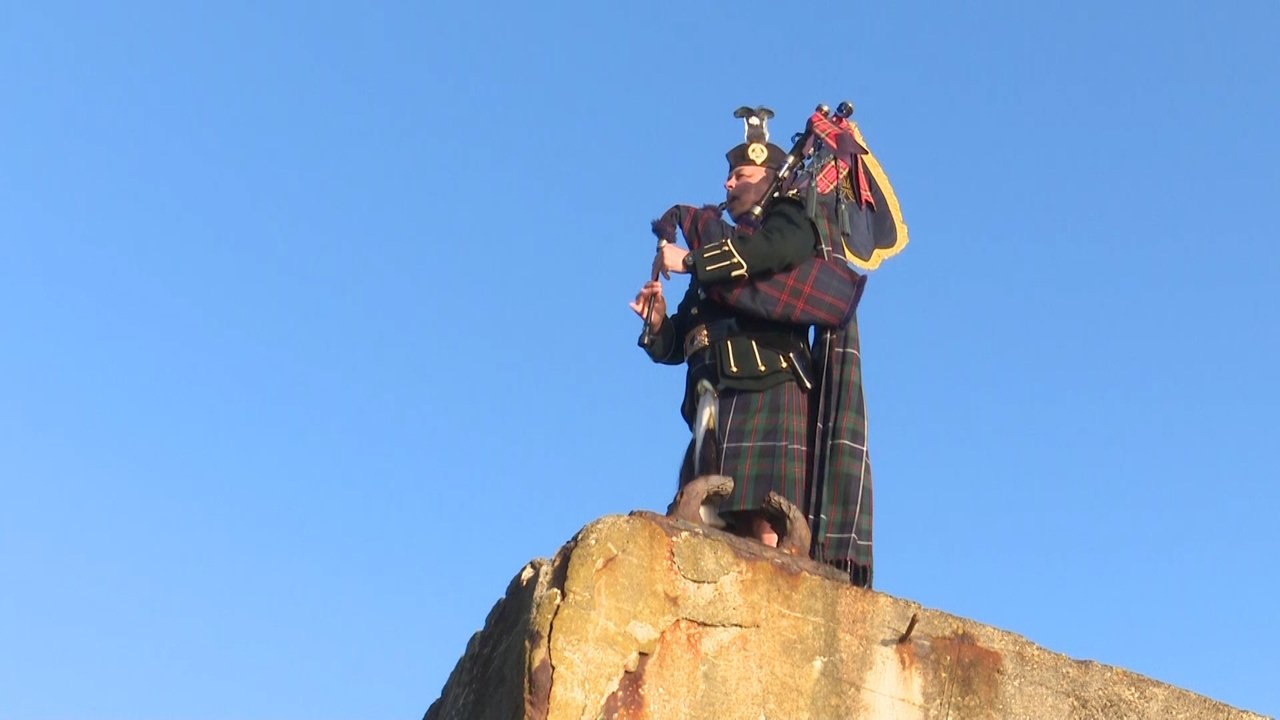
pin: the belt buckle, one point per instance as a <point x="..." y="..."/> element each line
<point x="695" y="340"/>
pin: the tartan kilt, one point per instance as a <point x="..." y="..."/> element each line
<point x="763" y="444"/>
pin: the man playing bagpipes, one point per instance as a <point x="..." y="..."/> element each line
<point x="779" y="439"/>
<point x="744" y="373"/>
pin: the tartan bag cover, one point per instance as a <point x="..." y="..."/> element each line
<point x="869" y="218"/>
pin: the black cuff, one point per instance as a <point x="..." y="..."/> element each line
<point x="662" y="343"/>
<point x="719" y="262"/>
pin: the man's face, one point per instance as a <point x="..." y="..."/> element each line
<point x="744" y="187"/>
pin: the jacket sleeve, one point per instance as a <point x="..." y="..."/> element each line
<point x="785" y="239"/>
<point x="667" y="345"/>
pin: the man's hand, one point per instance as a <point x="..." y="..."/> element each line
<point x="670" y="259"/>
<point x="651" y="293"/>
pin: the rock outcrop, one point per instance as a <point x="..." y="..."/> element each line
<point x="642" y="616"/>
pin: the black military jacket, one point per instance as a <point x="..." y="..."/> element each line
<point x="727" y="348"/>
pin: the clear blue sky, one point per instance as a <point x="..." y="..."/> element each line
<point x="316" y="327"/>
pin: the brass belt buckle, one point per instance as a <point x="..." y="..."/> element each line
<point x="695" y="340"/>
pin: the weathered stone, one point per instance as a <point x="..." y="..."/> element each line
<point x="702" y="559"/>
<point x="649" y="617"/>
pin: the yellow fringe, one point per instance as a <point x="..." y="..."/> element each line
<point x="880" y="254"/>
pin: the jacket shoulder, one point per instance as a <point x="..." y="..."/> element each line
<point x="790" y="205"/>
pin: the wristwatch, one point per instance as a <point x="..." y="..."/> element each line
<point x="688" y="262"/>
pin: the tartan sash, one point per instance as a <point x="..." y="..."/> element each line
<point x="839" y="501"/>
<point x="817" y="292"/>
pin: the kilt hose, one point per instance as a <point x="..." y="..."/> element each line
<point x="762" y="441"/>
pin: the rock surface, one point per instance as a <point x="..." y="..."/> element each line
<point x="641" y="616"/>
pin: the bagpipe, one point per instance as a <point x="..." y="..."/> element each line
<point x="846" y="194"/>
